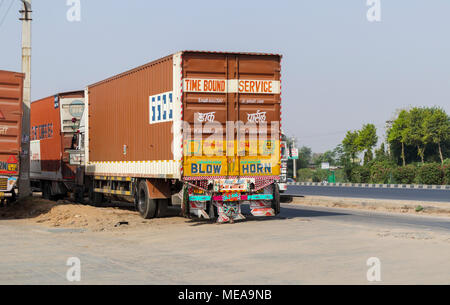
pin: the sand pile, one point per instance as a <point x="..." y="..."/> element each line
<point x="66" y="214"/>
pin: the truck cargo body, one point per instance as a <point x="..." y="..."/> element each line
<point x="11" y="93"/>
<point x="54" y="121"/>
<point x="202" y="125"/>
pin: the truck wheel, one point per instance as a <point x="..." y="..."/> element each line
<point x="276" y="199"/>
<point x="96" y="199"/>
<point x="163" y="205"/>
<point x="146" y="206"/>
<point x="136" y="198"/>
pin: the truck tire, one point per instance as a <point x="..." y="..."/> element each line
<point x="147" y="207"/>
<point x="276" y="199"/>
<point x="95" y="199"/>
<point x="162" y="209"/>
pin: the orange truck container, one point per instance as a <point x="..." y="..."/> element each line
<point x="141" y="136"/>
<point x="11" y="93"/>
<point x="54" y="121"/>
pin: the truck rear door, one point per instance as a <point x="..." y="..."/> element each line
<point x="234" y="92"/>
<point x="11" y="87"/>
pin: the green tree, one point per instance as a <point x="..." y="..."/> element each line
<point x="350" y="144"/>
<point x="304" y="157"/>
<point x="415" y="130"/>
<point x="437" y="129"/>
<point x="399" y="132"/>
<point x="381" y="154"/>
<point x="327" y="157"/>
<point x="366" y="140"/>
<point x="341" y="157"/>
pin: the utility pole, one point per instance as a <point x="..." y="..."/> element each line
<point x="294" y="174"/>
<point x="24" y="180"/>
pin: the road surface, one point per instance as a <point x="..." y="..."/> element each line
<point x="369" y="218"/>
<point x="372" y="193"/>
<point x="304" y="245"/>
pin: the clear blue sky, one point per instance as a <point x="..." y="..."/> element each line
<point x="339" y="70"/>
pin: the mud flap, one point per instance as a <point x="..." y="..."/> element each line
<point x="229" y="212"/>
<point x="198" y="209"/>
<point x="262" y="208"/>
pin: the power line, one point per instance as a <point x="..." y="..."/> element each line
<point x="9" y="8"/>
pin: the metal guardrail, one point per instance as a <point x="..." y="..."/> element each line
<point x="368" y="185"/>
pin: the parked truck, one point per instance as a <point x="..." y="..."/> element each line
<point x="201" y="129"/>
<point x="11" y="94"/>
<point x="54" y="122"/>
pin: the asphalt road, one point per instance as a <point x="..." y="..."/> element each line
<point x="372" y="193"/>
<point x="367" y="217"/>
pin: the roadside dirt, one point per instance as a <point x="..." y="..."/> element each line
<point x="381" y="205"/>
<point x="66" y="214"/>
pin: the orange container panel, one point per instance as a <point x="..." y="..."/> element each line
<point x="49" y="142"/>
<point x="119" y="127"/>
<point x="11" y="93"/>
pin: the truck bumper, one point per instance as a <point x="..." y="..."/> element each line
<point x="5" y="195"/>
<point x="7" y="184"/>
<point x="226" y="206"/>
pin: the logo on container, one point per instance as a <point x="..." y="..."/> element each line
<point x="42" y="132"/>
<point x="76" y="109"/>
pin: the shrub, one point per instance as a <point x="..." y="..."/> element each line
<point x="380" y="172"/>
<point x="320" y="175"/>
<point x="447" y="174"/>
<point x="430" y="173"/>
<point x="340" y="175"/>
<point x="360" y="174"/>
<point x="348" y="172"/>
<point x="405" y="174"/>
<point x="305" y="175"/>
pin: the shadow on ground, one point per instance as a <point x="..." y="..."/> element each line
<point x="286" y="214"/>
<point x="31" y="207"/>
<point x="290" y="213"/>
